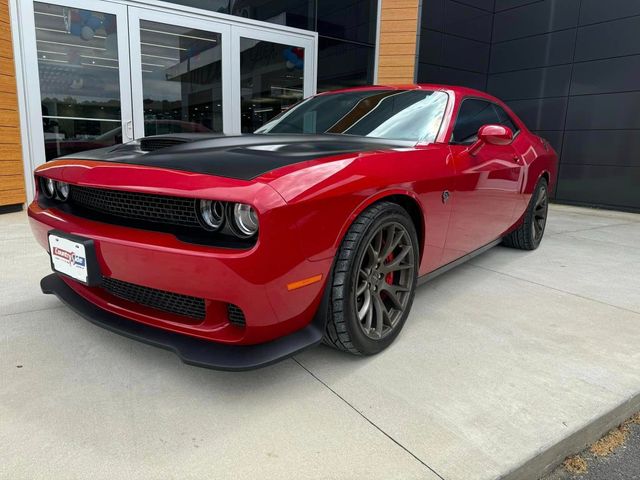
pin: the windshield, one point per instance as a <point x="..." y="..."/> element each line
<point x="414" y="115"/>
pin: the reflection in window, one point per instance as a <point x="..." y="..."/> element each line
<point x="344" y="64"/>
<point x="413" y="115"/>
<point x="79" y="78"/>
<point x="181" y="79"/>
<point x="348" y="19"/>
<point x="271" y="76"/>
<point x="292" y="13"/>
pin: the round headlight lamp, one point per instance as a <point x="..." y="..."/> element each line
<point x="48" y="187"/>
<point x="62" y="189"/>
<point x="245" y="220"/>
<point x="211" y="214"/>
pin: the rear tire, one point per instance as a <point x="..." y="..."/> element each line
<point x="374" y="281"/>
<point x="529" y="235"/>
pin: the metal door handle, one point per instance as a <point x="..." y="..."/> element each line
<point x="129" y="128"/>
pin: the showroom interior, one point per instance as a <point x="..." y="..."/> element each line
<point x="78" y="75"/>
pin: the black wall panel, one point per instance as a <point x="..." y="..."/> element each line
<point x="535" y="83"/>
<point x="535" y="19"/>
<point x="610" y="39"/>
<point x="595" y="11"/>
<point x="554" y="48"/>
<point x="569" y="68"/>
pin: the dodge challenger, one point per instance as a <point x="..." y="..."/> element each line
<point x="238" y="251"/>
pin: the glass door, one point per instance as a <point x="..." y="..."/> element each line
<point x="82" y="99"/>
<point x="274" y="70"/>
<point x="180" y="69"/>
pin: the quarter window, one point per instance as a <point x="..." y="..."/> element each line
<point x="473" y="114"/>
<point x="506" y="120"/>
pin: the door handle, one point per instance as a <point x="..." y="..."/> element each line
<point x="129" y="129"/>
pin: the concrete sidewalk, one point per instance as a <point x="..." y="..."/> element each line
<point x="506" y="365"/>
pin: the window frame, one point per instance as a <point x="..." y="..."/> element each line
<point x="516" y="132"/>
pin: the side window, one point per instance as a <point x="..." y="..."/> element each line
<point x="506" y="120"/>
<point x="473" y="114"/>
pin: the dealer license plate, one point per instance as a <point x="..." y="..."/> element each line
<point x="69" y="258"/>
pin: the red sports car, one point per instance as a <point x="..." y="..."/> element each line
<point x="238" y="251"/>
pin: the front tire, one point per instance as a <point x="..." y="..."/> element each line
<point x="529" y="235"/>
<point x="374" y="281"/>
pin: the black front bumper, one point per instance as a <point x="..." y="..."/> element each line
<point x="191" y="350"/>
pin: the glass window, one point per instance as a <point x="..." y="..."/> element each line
<point x="348" y="19"/>
<point x="79" y="79"/>
<point x="292" y="13"/>
<point x="344" y="64"/>
<point x="505" y="119"/>
<point x="272" y="79"/>
<point x="412" y="115"/>
<point x="473" y="114"/>
<point x="181" y="79"/>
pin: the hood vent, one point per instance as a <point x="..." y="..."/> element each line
<point x="151" y="144"/>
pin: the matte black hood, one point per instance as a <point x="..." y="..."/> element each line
<point x="243" y="157"/>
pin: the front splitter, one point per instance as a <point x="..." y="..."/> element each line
<point x="191" y="350"/>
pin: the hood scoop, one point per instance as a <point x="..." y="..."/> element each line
<point x="151" y="144"/>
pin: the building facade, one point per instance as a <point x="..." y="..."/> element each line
<point x="81" y="74"/>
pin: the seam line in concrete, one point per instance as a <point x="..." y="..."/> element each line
<point x="31" y="311"/>
<point x="591" y="228"/>
<point x="556" y="289"/>
<point x="367" y="419"/>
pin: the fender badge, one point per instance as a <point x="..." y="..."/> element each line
<point x="445" y="196"/>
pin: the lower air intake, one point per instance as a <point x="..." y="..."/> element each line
<point x="170" y="302"/>
<point x="235" y="315"/>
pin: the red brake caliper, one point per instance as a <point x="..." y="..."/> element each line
<point x="389" y="277"/>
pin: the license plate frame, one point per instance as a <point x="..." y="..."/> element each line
<point x="76" y="251"/>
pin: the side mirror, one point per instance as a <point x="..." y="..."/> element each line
<point x="491" y="135"/>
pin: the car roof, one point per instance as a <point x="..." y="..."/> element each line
<point x="456" y="90"/>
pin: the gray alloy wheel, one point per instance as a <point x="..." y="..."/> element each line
<point x="374" y="280"/>
<point x="529" y="235"/>
<point x="540" y="210"/>
<point x="384" y="281"/>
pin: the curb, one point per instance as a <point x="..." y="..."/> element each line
<point x="545" y="461"/>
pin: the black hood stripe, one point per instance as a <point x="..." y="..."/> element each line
<point x="243" y="157"/>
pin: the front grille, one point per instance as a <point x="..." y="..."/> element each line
<point x="159" y="209"/>
<point x="235" y="315"/>
<point x="175" y="303"/>
<point x="153" y="144"/>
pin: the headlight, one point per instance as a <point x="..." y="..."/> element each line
<point x="48" y="187"/>
<point x="211" y="214"/>
<point x="62" y="189"/>
<point x="244" y="220"/>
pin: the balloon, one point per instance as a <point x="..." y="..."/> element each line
<point x="87" y="33"/>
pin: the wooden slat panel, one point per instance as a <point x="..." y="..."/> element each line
<point x="6" y="66"/>
<point x="9" y="135"/>
<point x="398" y="36"/>
<point x="397" y="26"/>
<point x="396" y="49"/>
<point x="12" y="189"/>
<point x="11" y="182"/>
<point x="4" y="11"/>
<point x="8" y="84"/>
<point x="11" y="167"/>
<point x="8" y="101"/>
<point x="5" y="31"/>
<point x="6" y="50"/>
<point x="406" y="73"/>
<point x="400" y="14"/>
<point x="13" y="197"/>
<point x="9" y="118"/>
<point x="396" y="60"/>
<point x="10" y="152"/>
<point x="407" y="38"/>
